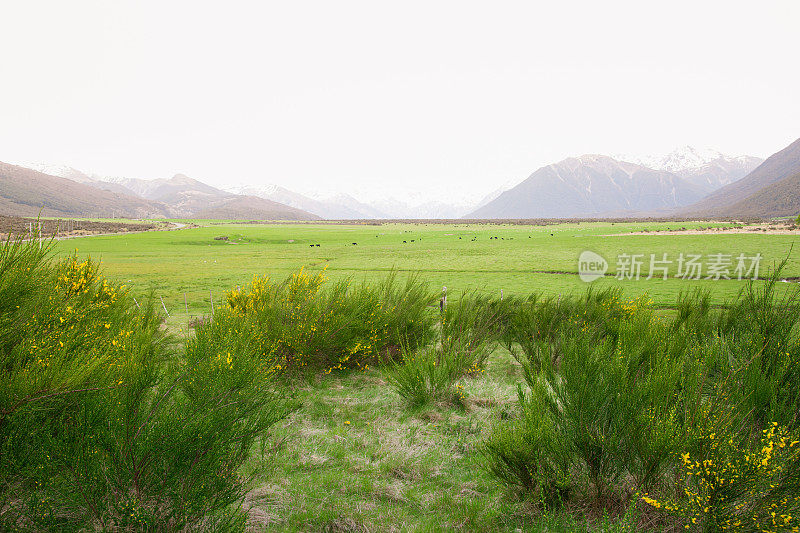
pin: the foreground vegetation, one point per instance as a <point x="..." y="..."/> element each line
<point x="315" y="404"/>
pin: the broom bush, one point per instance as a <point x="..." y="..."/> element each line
<point x="105" y="422"/>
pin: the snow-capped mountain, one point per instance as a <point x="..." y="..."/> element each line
<point x="706" y="168"/>
<point x="591" y="185"/>
<point x="62" y="171"/>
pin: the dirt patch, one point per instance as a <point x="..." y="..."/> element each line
<point x="764" y="229"/>
<point x="60" y="228"/>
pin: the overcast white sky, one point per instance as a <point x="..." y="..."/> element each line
<point x="368" y="95"/>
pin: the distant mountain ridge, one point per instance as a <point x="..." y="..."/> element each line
<point x="590" y="185"/>
<point x="24" y="191"/>
<point x="342" y="207"/>
<point x="585" y="186"/>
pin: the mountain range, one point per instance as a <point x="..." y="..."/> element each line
<point x="684" y="182"/>
<point x="28" y="192"/>
<point x="596" y="185"/>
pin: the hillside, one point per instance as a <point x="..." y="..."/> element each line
<point x="184" y="195"/>
<point x="252" y="208"/>
<point x="777" y="200"/>
<point x="774" y="169"/>
<point x="26" y="192"/>
<point x="590" y="185"/>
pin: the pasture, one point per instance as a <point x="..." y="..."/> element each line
<point x="517" y="259"/>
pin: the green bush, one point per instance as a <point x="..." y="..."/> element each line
<point x="102" y="424"/>
<point x="459" y="347"/>
<point x="700" y="412"/>
<point x="427" y="375"/>
<point x="469" y="328"/>
<point x="304" y="322"/>
<point x="530" y="454"/>
<point x="610" y="390"/>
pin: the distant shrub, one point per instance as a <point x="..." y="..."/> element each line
<point x="102" y="426"/>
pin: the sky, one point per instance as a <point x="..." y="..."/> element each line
<point x="441" y="98"/>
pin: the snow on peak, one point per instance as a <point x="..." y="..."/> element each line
<point x="264" y="191"/>
<point x="681" y="159"/>
<point x="687" y="158"/>
<point x="62" y="171"/>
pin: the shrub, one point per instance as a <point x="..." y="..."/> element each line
<point x="468" y="330"/>
<point x="529" y="453"/>
<point x="460" y="347"/>
<point x="739" y="487"/>
<point x="428" y="375"/>
<point x="102" y="425"/>
<point x="701" y="412"/>
<point x="305" y="322"/>
<point x="609" y="390"/>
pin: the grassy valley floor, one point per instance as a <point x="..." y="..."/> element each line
<point x="354" y="457"/>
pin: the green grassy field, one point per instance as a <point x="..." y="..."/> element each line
<point x="521" y="260"/>
<point x="354" y="456"/>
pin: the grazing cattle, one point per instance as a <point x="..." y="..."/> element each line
<point x="311" y="245"/>
<point x="405" y="242"/>
<point x="316" y="245"/>
<point x="355" y="243"/>
<point x="412" y="240"/>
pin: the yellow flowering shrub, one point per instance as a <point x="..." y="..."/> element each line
<point x="306" y="321"/>
<point x="734" y="487"/>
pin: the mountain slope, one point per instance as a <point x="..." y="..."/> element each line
<point x="184" y="195"/>
<point x="588" y="186"/>
<point x="777" y="200"/>
<point x="252" y="208"/>
<point x="26" y="192"/>
<point x="775" y="168"/>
